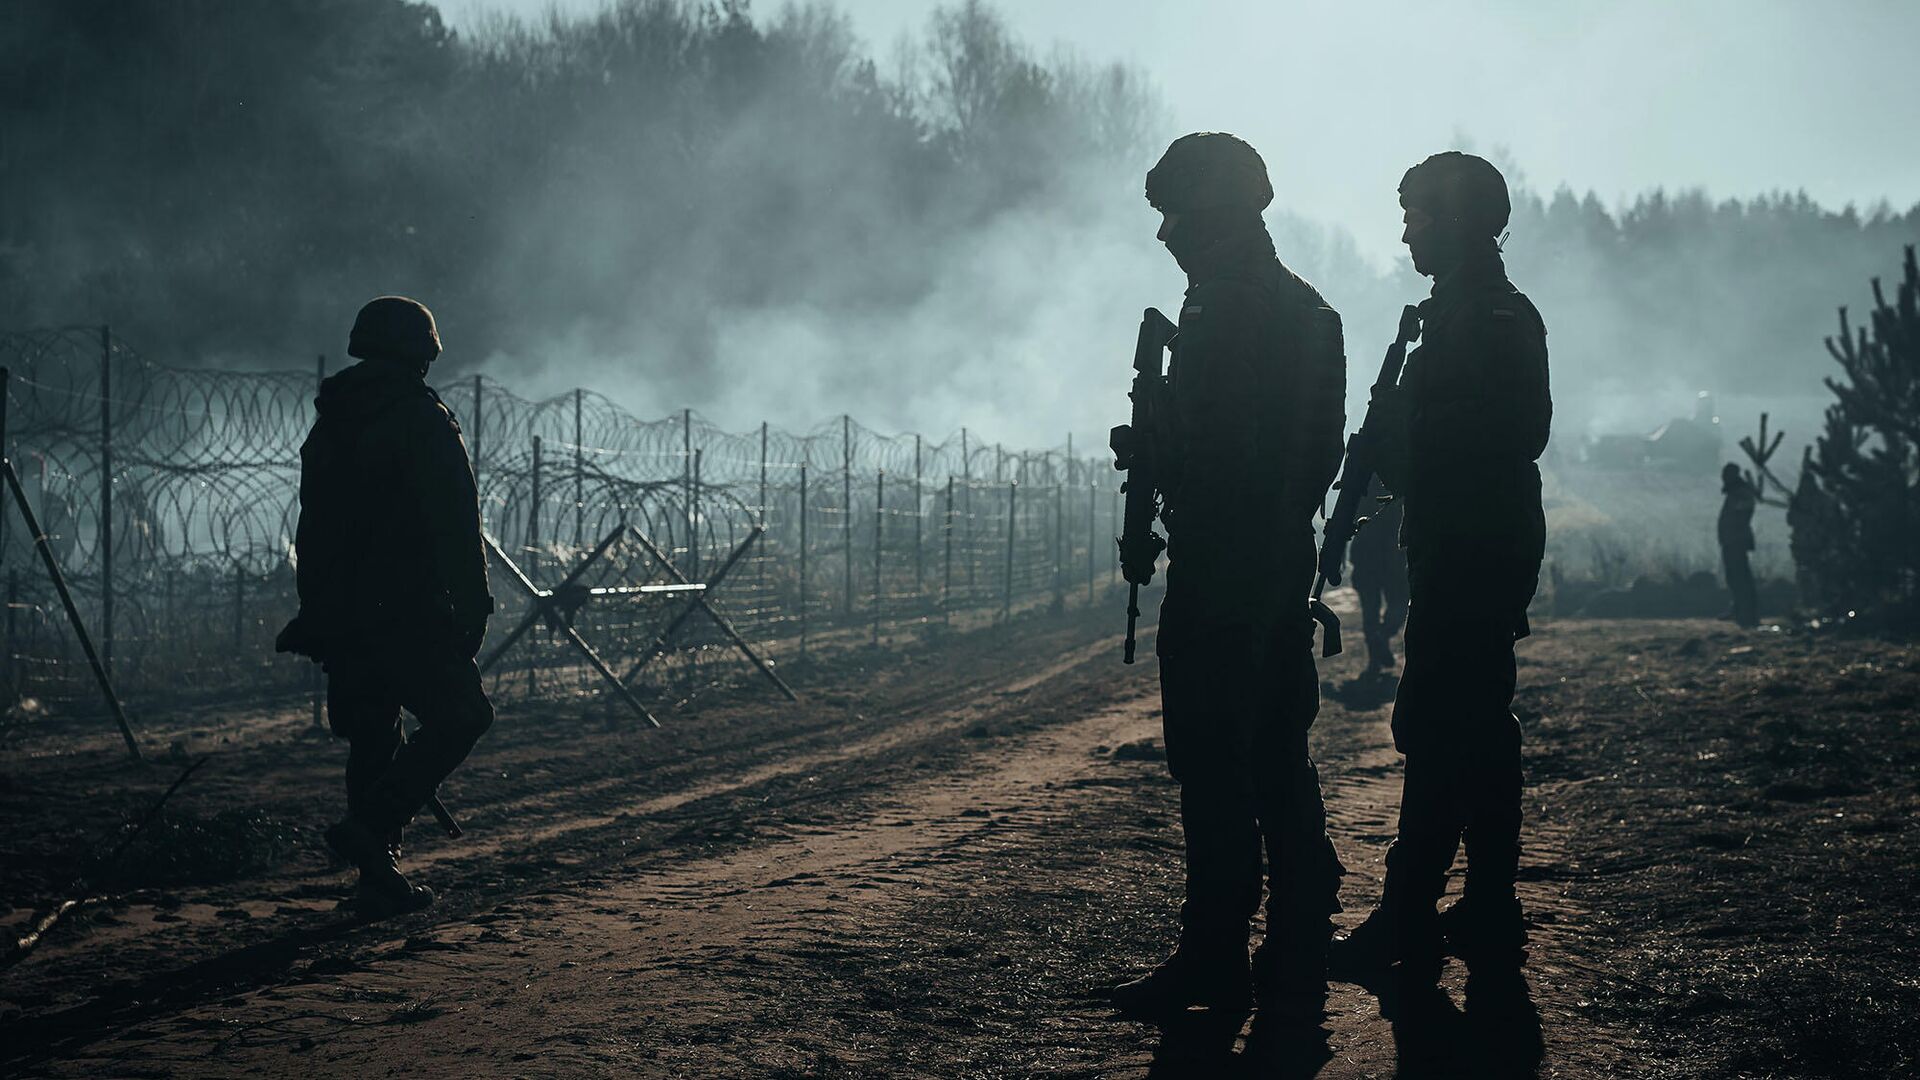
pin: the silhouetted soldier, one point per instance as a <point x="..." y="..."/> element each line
<point x="1736" y="543"/>
<point x="1460" y="437"/>
<point x="1380" y="577"/>
<point x="1249" y="443"/>
<point x="393" y="588"/>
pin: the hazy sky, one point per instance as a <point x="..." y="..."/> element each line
<point x="1617" y="97"/>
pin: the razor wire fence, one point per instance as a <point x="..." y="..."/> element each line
<point x="169" y="498"/>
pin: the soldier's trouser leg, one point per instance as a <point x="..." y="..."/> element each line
<point x="1453" y="720"/>
<point x="1396" y="593"/>
<point x="1303" y="871"/>
<point x="1207" y="716"/>
<point x="367" y="714"/>
<point x="446" y="696"/>
<point x="1739" y="573"/>
<point x="1372" y="611"/>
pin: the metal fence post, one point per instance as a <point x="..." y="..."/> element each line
<point x="846" y="501"/>
<point x="693" y="538"/>
<point x="946" y="580"/>
<point x="106" y="499"/>
<point x="239" y="609"/>
<point x="879" y="544"/>
<point x="803" y="559"/>
<point x="760" y="557"/>
<point x="966" y="514"/>
<point x="1060" y="537"/>
<point x="919" y="558"/>
<point x="533" y="508"/>
<point x="686" y="485"/>
<point x="579" y="472"/>
<point x="1006" y="598"/>
<point x="1093" y="535"/>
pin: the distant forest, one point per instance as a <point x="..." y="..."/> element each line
<point x="225" y="179"/>
<point x="214" y="175"/>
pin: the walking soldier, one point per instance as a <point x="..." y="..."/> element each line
<point x="393" y="588"/>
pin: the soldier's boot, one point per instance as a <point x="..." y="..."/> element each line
<point x="1290" y="973"/>
<point x="1393" y="937"/>
<point x="1404" y="931"/>
<point x="1485" y="927"/>
<point x="383" y="890"/>
<point x="1380" y="652"/>
<point x="1210" y="976"/>
<point x="1489" y="933"/>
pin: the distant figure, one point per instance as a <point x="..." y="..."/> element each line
<point x="1380" y="577"/>
<point x="1254" y="396"/>
<point x="1460" y="440"/>
<point x="393" y="588"/>
<point x="1736" y="543"/>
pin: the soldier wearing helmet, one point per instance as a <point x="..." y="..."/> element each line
<point x="392" y="577"/>
<point x="1735" y="531"/>
<point x="1255" y="392"/>
<point x="1461" y="435"/>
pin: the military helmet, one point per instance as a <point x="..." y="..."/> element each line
<point x="1461" y="187"/>
<point x="394" y="328"/>
<point x="1209" y="170"/>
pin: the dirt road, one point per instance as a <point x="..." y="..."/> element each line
<point x="931" y="867"/>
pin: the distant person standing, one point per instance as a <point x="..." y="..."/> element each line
<point x="1246" y="443"/>
<point x="393" y="588"/>
<point x="1380" y="577"/>
<point x="1739" y="499"/>
<point x="1461" y="435"/>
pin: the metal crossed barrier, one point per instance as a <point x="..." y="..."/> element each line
<point x="168" y="496"/>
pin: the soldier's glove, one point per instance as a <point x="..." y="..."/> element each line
<point x="1137" y="559"/>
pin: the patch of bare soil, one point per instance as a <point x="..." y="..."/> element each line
<point x="1739" y="808"/>
<point x="934" y="866"/>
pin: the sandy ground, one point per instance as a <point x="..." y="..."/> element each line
<point x="932" y="866"/>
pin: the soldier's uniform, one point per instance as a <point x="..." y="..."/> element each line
<point x="1250" y="440"/>
<point x="1380" y="579"/>
<point x="1735" y="530"/>
<point x="1460" y="440"/>
<point x="393" y="584"/>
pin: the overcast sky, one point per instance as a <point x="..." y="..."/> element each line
<point x="1616" y="97"/>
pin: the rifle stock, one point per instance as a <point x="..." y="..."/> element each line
<point x="1356" y="475"/>
<point x="1133" y="453"/>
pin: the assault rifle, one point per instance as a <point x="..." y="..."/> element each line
<point x="1355" y="477"/>
<point x="1133" y="454"/>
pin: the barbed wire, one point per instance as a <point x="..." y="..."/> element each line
<point x="860" y="526"/>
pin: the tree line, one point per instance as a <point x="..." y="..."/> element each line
<point x="224" y="179"/>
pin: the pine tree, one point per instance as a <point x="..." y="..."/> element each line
<point x="1854" y="514"/>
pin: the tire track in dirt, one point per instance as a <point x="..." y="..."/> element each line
<point x="896" y="743"/>
<point x="924" y="718"/>
<point x="540" y="979"/>
<point x="955" y="925"/>
<point x="949" y="915"/>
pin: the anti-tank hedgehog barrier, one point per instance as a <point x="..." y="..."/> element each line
<point x="190" y="574"/>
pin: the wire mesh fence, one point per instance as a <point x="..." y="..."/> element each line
<point x="169" y="498"/>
